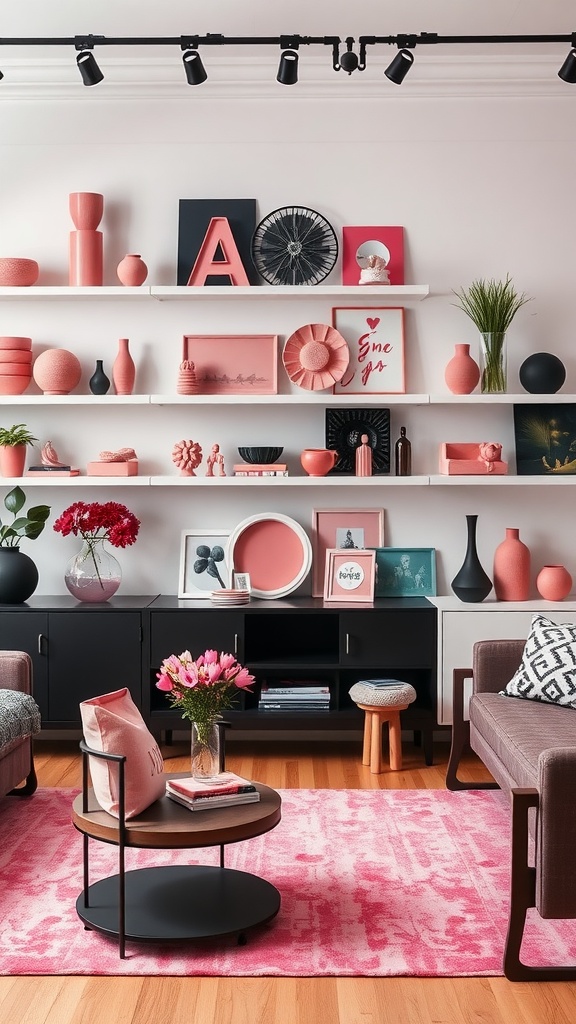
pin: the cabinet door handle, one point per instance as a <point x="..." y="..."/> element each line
<point x="41" y="639"/>
<point x="347" y="643"/>
<point x="235" y="645"/>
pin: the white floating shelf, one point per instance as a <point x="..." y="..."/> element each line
<point x="508" y="399"/>
<point x="73" y="292"/>
<point x="74" y="399"/>
<point x="287" y="481"/>
<point x="47" y="480"/>
<point x="389" y="294"/>
<point x="319" y="398"/>
<point x="486" y="480"/>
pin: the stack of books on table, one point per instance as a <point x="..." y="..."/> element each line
<point x="295" y="697"/>
<point x="228" y="790"/>
<point x="260" y="469"/>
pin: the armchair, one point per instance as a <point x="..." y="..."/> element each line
<point x="19" y="722"/>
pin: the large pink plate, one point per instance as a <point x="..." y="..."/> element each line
<point x="274" y="549"/>
<point x="316" y="356"/>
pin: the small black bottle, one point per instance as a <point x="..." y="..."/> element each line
<point x="403" y="454"/>
<point x="99" y="382"/>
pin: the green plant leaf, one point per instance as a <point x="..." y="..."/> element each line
<point x="15" y="500"/>
<point x="39" y="513"/>
<point x="33" y="530"/>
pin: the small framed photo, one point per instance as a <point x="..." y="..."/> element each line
<point x="349" y="529"/>
<point x="350" y="576"/>
<point x="375" y="337"/>
<point x="203" y="563"/>
<point x="242" y="581"/>
<point x="234" y="364"/>
<point x="359" y="242"/>
<point x="405" y="572"/>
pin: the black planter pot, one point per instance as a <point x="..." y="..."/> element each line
<point x="99" y="382"/>
<point x="542" y="374"/>
<point x="471" y="582"/>
<point x="18" y="576"/>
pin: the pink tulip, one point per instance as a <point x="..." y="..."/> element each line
<point x="164" y="682"/>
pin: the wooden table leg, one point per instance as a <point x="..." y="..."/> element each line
<point x="395" y="741"/>
<point x="376" y="742"/>
<point x="367" y="733"/>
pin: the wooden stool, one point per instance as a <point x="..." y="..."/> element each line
<point x="372" y="747"/>
<point x="382" y="705"/>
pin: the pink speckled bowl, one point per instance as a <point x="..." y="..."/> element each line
<point x="15" y="272"/>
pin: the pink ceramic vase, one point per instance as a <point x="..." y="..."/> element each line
<point x="86" y="260"/>
<point x="86" y="209"/>
<point x="132" y="271"/>
<point x="123" y="369"/>
<point x="318" y="461"/>
<point x="462" y="373"/>
<point x="554" y="582"/>
<point x="57" y="371"/>
<point x="12" y="459"/>
<point x="512" y="568"/>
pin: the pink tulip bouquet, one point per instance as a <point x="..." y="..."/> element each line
<point x="202" y="689"/>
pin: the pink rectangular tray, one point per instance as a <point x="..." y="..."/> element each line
<point x="463" y="459"/>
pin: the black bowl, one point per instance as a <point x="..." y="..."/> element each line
<point x="257" y="455"/>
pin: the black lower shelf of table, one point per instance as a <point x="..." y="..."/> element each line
<point x="179" y="903"/>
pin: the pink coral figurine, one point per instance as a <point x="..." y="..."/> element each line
<point x="489" y="452"/>
<point x="187" y="455"/>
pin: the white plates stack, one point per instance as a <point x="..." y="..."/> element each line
<point x="227" y="597"/>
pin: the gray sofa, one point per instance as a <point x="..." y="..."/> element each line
<point x="529" y="747"/>
<point x="19" y="722"/>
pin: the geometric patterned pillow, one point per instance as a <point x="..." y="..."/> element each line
<point x="547" y="671"/>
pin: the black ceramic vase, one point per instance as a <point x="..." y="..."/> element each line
<point x="18" y="576"/>
<point x="471" y="582"/>
<point x="542" y="374"/>
<point x="99" y="382"/>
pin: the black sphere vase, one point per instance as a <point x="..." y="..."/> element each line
<point x="542" y="374"/>
<point x="471" y="583"/>
<point x="99" y="382"/>
<point x="18" y="576"/>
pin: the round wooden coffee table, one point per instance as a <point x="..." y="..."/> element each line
<point x="185" y="902"/>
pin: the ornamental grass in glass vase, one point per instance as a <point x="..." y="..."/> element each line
<point x="492" y="305"/>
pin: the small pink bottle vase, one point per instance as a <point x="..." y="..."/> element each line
<point x="132" y="271"/>
<point x="554" y="582"/>
<point x="462" y="373"/>
<point x="512" y="568"/>
<point x="86" y="249"/>
<point x="123" y="369"/>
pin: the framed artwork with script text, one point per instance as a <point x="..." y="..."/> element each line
<point x="375" y="338"/>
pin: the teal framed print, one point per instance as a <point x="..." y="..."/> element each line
<point x="405" y="572"/>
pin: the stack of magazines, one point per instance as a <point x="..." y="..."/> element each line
<point x="228" y="790"/>
<point x="295" y="697"/>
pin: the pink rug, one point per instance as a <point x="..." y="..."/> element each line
<point x="379" y="883"/>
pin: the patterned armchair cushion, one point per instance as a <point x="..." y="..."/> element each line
<point x="19" y="716"/>
<point x="547" y="671"/>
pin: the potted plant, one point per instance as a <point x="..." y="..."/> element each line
<point x="18" y="574"/>
<point x="13" y="443"/>
<point x="491" y="305"/>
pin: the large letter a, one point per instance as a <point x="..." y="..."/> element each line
<point x="219" y="234"/>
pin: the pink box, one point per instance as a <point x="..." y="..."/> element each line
<point x="464" y="459"/>
<point x="129" y="468"/>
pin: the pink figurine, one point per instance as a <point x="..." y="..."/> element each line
<point x="187" y="455"/>
<point x="364" y="457"/>
<point x="215" y="459"/>
<point x="489" y="452"/>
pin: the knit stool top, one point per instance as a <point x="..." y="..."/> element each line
<point x="384" y="696"/>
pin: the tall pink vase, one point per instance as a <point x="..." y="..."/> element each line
<point x="554" y="582"/>
<point x="85" y="262"/>
<point x="123" y="369"/>
<point x="512" y="568"/>
<point x="462" y="373"/>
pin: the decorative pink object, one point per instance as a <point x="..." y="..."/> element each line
<point x="465" y="459"/>
<point x="271" y="575"/>
<point x="315" y="356"/>
<point x="112" y="722"/>
<point x="554" y="582"/>
<point x="318" y="461"/>
<point x="350" y="576"/>
<point x="511" y="574"/>
<point x="215" y="461"/>
<point x="12" y="459"/>
<point x="462" y="373"/>
<point x="123" y="369"/>
<point x="15" y="356"/>
<point x="14" y="344"/>
<point x="218" y="240"/>
<point x="85" y="266"/>
<point x="489" y="452"/>
<point x="132" y="271"/>
<point x="330" y="528"/>
<point x="234" y="364"/>
<point x="375" y="271"/>
<point x="57" y="371"/>
<point x="364" y="457"/>
<point x="17" y="273"/>
<point x="15" y="352"/>
<point x="122" y="455"/>
<point x="49" y="456"/>
<point x="360" y="243"/>
<point x="187" y="379"/>
<point x="187" y="455"/>
<point x="103" y="468"/>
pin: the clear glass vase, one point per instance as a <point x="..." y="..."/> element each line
<point x="493" y="363"/>
<point x="205" y="751"/>
<point x="94" y="574"/>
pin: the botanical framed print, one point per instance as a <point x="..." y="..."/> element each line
<point x="344" y="429"/>
<point x="405" y="572"/>
<point x="347" y="529"/>
<point x="545" y="437"/>
<point x="359" y="243"/>
<point x="349" y="576"/>
<point x="203" y="563"/>
<point x="375" y="338"/>
<point x="234" y="364"/>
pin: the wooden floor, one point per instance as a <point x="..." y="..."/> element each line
<point x="286" y="765"/>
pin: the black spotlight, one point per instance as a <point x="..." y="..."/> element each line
<point x="194" y="68"/>
<point x="568" y="70"/>
<point x="88" y="68"/>
<point x="288" y="68"/>
<point x="349" y="61"/>
<point x="400" y="66"/>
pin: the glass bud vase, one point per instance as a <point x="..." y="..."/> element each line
<point x="493" y="363"/>
<point x="94" y="574"/>
<point x="205" y="751"/>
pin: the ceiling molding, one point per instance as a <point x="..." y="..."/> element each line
<point x="244" y="78"/>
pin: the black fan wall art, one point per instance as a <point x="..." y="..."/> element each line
<point x="294" y="245"/>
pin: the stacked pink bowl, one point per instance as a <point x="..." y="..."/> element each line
<point x="15" y="365"/>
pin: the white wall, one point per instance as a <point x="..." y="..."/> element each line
<point x="482" y="181"/>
